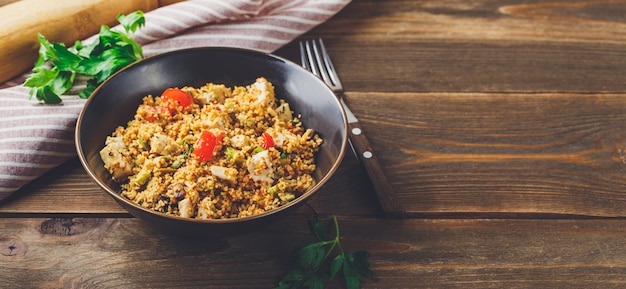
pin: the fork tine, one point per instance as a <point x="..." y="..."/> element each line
<point x="303" y="57"/>
<point x="315" y="58"/>
<point x="320" y="63"/>
<point x="328" y="64"/>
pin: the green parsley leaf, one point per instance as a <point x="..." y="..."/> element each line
<point x="293" y="279"/>
<point x="63" y="82"/>
<point x="46" y="94"/>
<point x="312" y="255"/>
<point x="355" y="268"/>
<point x="132" y="22"/>
<point x="317" y="229"/>
<point x="336" y="264"/>
<point x="62" y="58"/>
<point x="41" y="76"/>
<point x="314" y="267"/>
<point x="58" y="66"/>
<point x="359" y="262"/>
<point x="92" y="84"/>
<point x="316" y="280"/>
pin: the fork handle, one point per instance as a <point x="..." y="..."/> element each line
<point x="377" y="176"/>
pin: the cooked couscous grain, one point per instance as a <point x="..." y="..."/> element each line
<point x="213" y="152"/>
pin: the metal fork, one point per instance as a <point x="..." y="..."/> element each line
<point x="315" y="58"/>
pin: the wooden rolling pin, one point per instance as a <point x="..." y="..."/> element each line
<point x="59" y="21"/>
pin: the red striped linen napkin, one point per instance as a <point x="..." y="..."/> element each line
<point x="35" y="137"/>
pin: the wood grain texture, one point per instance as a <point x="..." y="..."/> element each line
<point x="501" y="126"/>
<point x="479" y="46"/>
<point x="415" y="253"/>
<point x="501" y="153"/>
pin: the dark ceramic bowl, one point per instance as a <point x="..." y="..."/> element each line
<point x="115" y="101"/>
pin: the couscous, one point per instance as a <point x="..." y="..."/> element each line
<point x="213" y="152"/>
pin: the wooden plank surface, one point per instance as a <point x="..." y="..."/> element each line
<point x="501" y="152"/>
<point x="501" y="125"/>
<point x="415" y="253"/>
<point x="479" y="46"/>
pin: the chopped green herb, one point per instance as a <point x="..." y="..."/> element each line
<point x="58" y="66"/>
<point x="189" y="149"/>
<point x="314" y="265"/>
<point x="286" y="197"/>
<point x="142" y="143"/>
<point x="176" y="164"/>
<point x="272" y="190"/>
<point x="230" y="153"/>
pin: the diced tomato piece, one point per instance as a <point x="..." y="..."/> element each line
<point x="182" y="98"/>
<point x="207" y="146"/>
<point x="268" y="141"/>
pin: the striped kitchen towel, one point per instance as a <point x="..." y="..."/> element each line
<point x="36" y="137"/>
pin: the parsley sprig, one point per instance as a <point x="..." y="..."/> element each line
<point x="314" y="266"/>
<point x="58" y="66"/>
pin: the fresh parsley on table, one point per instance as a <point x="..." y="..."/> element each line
<point x="315" y="264"/>
<point x="58" y="66"/>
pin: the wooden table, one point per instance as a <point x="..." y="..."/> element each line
<point x="500" y="124"/>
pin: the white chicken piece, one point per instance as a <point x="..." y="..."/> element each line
<point x="284" y="112"/>
<point x="239" y="141"/>
<point x="215" y="93"/>
<point x="185" y="208"/>
<point x="163" y="145"/>
<point x="229" y="174"/>
<point x="266" y="92"/>
<point x="113" y="157"/>
<point x="260" y="168"/>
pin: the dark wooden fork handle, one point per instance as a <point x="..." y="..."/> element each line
<point x="377" y="176"/>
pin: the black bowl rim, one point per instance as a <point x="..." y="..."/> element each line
<point x="298" y="201"/>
